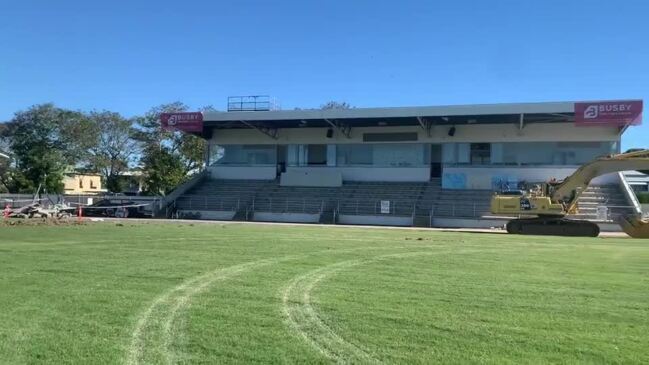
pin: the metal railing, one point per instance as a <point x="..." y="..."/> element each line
<point x="482" y="210"/>
<point x="194" y="204"/>
<point x="288" y="205"/>
<point x="459" y="209"/>
<point x="251" y="103"/>
<point x="610" y="213"/>
<point x="197" y="203"/>
<point x="404" y="208"/>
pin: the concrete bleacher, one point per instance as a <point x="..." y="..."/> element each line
<point x="364" y="198"/>
<point x="476" y="203"/>
<point x="360" y="198"/>
<point x="417" y="201"/>
<point x="352" y="198"/>
<point x="463" y="203"/>
<point x="220" y="196"/>
<point x="610" y="196"/>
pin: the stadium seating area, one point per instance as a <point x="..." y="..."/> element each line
<point x="605" y="195"/>
<point x="417" y="200"/>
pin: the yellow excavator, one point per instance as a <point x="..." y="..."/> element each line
<point x="542" y="210"/>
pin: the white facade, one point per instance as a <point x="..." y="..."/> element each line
<point x="535" y="152"/>
<point x="465" y="146"/>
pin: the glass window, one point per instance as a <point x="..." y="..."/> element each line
<point x="449" y="153"/>
<point x="354" y="154"/>
<point x="480" y="153"/>
<point x="243" y="155"/>
<point x="398" y="155"/>
<point x="554" y="153"/>
<point x="317" y="154"/>
<point x="383" y="154"/>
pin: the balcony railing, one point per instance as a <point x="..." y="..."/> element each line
<point x="251" y="103"/>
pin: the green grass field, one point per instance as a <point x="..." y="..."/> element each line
<point x="210" y="293"/>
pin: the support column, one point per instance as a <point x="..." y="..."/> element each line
<point x="331" y="155"/>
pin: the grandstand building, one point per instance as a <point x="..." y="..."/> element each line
<point x="422" y="166"/>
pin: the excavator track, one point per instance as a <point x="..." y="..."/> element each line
<point x="553" y="226"/>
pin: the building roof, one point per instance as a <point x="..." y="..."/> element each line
<point x="416" y="115"/>
<point x="81" y="173"/>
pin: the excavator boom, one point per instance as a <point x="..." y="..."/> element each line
<point x="571" y="188"/>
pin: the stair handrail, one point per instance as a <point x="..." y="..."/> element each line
<point x="629" y="194"/>
<point x="182" y="189"/>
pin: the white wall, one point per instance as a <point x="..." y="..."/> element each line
<point x="375" y="220"/>
<point x="483" y="223"/>
<point x="212" y="214"/>
<point x="488" y="133"/>
<point x="311" y="177"/>
<point x="401" y="174"/>
<point x="243" y="172"/>
<point x="483" y="177"/>
<point x="286" y="217"/>
<point x="397" y="174"/>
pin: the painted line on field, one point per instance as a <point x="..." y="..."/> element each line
<point x="304" y="321"/>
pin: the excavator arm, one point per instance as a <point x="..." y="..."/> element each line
<point x="573" y="186"/>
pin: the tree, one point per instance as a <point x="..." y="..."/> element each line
<point x="113" y="150"/>
<point x="168" y="158"/>
<point x="4" y="175"/>
<point x="5" y="160"/>
<point x="336" y="105"/>
<point x="44" y="140"/>
<point x="163" y="170"/>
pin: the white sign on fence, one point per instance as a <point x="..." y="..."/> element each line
<point x="602" y="213"/>
<point x="89" y="201"/>
<point x="385" y="207"/>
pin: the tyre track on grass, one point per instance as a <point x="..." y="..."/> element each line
<point x="153" y="332"/>
<point x="158" y="318"/>
<point x="303" y="320"/>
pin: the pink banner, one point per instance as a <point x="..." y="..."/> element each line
<point x="185" y="122"/>
<point x="608" y="113"/>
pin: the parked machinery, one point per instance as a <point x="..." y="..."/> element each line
<point x="546" y="206"/>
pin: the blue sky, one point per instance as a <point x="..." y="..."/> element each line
<point x="128" y="56"/>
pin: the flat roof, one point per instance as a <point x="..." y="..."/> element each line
<point x="542" y="112"/>
<point x="398" y="112"/>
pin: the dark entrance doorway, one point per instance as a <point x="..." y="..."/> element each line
<point x="282" y="153"/>
<point x="435" y="160"/>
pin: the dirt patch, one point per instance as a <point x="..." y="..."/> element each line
<point x="31" y="222"/>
